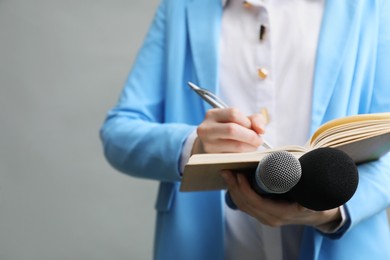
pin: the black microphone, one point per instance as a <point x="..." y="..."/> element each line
<point x="275" y="174"/>
<point x="329" y="179"/>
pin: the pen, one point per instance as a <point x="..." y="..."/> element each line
<point x="215" y="102"/>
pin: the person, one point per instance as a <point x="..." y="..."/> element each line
<point x="284" y="67"/>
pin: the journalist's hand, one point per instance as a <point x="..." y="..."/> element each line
<point x="274" y="213"/>
<point x="228" y="130"/>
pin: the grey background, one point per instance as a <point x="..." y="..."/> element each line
<point x="62" y="65"/>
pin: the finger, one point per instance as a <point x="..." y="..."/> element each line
<point x="232" y="131"/>
<point x="232" y="186"/>
<point x="273" y="212"/>
<point x="272" y="206"/>
<point x="231" y="115"/>
<point x="253" y="201"/>
<point x="236" y="192"/>
<point x="258" y="123"/>
<point x="230" y="179"/>
<point x="228" y="146"/>
<point x="268" y="211"/>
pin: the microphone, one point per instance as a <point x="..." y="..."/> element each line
<point x="275" y="174"/>
<point x="329" y="179"/>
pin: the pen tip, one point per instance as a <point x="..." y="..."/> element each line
<point x="192" y="85"/>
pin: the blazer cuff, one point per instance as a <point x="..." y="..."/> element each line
<point x="335" y="230"/>
<point x="186" y="150"/>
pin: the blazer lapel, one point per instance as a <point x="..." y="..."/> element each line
<point x="204" y="19"/>
<point x="337" y="30"/>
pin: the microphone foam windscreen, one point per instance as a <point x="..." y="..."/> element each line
<point x="329" y="179"/>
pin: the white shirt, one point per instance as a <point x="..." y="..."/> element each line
<point x="287" y="53"/>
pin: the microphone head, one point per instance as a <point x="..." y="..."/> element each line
<point x="329" y="179"/>
<point x="277" y="173"/>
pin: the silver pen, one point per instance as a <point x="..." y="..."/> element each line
<point x="215" y="102"/>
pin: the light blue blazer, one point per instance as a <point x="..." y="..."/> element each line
<point x="144" y="133"/>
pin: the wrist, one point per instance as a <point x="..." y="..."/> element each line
<point x="197" y="147"/>
<point x="330" y="221"/>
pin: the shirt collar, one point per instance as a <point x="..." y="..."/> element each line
<point x="224" y="2"/>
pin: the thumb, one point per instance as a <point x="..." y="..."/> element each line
<point x="258" y="123"/>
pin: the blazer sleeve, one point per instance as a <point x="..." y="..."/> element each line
<point x="136" y="139"/>
<point x="373" y="193"/>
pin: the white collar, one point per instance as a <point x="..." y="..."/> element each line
<point x="254" y="2"/>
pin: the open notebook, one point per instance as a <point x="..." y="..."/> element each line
<point x="364" y="137"/>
